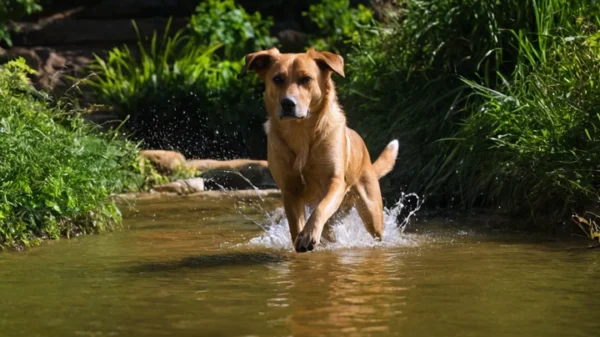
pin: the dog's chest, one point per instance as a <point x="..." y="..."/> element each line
<point x="314" y="176"/>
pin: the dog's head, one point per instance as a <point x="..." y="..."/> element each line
<point x="295" y="84"/>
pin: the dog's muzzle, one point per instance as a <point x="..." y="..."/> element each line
<point x="289" y="109"/>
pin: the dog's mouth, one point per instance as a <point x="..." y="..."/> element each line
<point x="284" y="118"/>
<point x="294" y="117"/>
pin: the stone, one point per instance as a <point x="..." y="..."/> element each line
<point x="182" y="187"/>
<point x="52" y="65"/>
<point x="235" y="164"/>
<point x="238" y="174"/>
<point x="165" y="162"/>
<point x="31" y="57"/>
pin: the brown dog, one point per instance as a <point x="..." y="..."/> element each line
<point x="313" y="156"/>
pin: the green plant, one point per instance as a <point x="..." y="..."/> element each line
<point x="227" y="23"/>
<point x="447" y="81"/>
<point x="169" y="62"/>
<point x="180" y="95"/>
<point x="56" y="173"/>
<point x="341" y="26"/>
<point x="540" y="132"/>
<point x="14" y="10"/>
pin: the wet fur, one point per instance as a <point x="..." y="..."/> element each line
<point x="318" y="160"/>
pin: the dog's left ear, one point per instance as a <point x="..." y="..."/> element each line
<point x="259" y="61"/>
<point x="328" y="60"/>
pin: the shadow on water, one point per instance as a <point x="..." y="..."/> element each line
<point x="210" y="261"/>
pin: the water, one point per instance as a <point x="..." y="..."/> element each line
<point x="218" y="267"/>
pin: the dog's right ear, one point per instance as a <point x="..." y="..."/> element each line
<point x="259" y="62"/>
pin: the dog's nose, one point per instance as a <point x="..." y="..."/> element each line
<point x="288" y="104"/>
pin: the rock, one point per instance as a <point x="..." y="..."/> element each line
<point x="52" y="65"/>
<point x="30" y="56"/>
<point x="239" y="174"/>
<point x="165" y="162"/>
<point x="235" y="164"/>
<point x="182" y="187"/>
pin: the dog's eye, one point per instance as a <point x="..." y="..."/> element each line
<point x="278" y="79"/>
<point x="305" y="80"/>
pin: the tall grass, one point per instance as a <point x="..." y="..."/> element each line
<point x="179" y="94"/>
<point x="491" y="101"/>
<point x="56" y="173"/>
<point x="542" y="132"/>
<point x="128" y="78"/>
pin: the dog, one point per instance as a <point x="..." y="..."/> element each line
<point x="314" y="158"/>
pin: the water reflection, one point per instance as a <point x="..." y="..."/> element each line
<point x="352" y="292"/>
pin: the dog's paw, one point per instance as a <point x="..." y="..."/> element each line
<point x="306" y="242"/>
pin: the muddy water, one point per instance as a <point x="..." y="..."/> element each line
<point x="221" y="268"/>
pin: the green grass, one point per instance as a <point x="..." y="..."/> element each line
<point x="56" y="173"/>
<point x="541" y="134"/>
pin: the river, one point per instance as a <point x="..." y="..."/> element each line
<point x="225" y="267"/>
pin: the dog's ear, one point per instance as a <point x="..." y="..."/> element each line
<point x="327" y="60"/>
<point x="259" y="62"/>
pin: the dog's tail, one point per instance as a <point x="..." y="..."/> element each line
<point x="385" y="163"/>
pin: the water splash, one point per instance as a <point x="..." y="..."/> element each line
<point x="347" y="232"/>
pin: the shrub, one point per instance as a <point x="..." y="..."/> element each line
<point x="227" y="23"/>
<point x="56" y="174"/>
<point x="341" y="26"/>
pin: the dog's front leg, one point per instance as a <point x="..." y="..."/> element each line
<point x="310" y="236"/>
<point x="294" y="212"/>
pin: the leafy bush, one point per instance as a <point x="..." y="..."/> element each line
<point x="56" y="174"/>
<point x="14" y="10"/>
<point x="491" y="101"/>
<point x="180" y="95"/>
<point x="227" y="23"/>
<point x="341" y="26"/>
